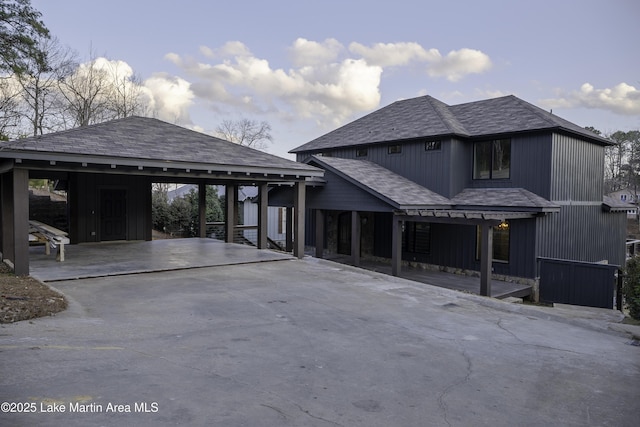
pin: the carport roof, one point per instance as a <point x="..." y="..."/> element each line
<point x="147" y="142"/>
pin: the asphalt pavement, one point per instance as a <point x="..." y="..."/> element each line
<point x="287" y="342"/>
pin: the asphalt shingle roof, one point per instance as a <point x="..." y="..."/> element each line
<point x="391" y="187"/>
<point x="148" y="139"/>
<point x="427" y="117"/>
<point x="492" y="198"/>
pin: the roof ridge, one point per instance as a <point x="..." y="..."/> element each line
<point x="438" y="106"/>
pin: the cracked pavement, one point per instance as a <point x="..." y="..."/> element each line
<point x="308" y="343"/>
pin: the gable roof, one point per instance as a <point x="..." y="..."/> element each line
<point x="386" y="185"/>
<point x="427" y="117"/>
<point x="147" y="142"/>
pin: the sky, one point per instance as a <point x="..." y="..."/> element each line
<point x="308" y="67"/>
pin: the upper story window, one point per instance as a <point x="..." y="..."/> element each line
<point x="326" y="154"/>
<point x="492" y="159"/>
<point x="432" y="145"/>
<point x="362" y="152"/>
<point x="395" y="149"/>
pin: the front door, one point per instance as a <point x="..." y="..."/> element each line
<point x="113" y="215"/>
<point x="344" y="233"/>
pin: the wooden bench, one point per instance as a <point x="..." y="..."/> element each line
<point x="50" y="236"/>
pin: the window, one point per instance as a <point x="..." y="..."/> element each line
<point x="361" y="152"/>
<point x="395" y="149"/>
<point x="417" y="237"/>
<point x="492" y="159"/>
<point x="500" y="242"/>
<point x="433" y="145"/>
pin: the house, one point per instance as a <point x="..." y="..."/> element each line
<point x="108" y="169"/>
<point x="491" y="186"/>
<point x="626" y="196"/>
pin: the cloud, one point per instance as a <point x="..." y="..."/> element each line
<point x="621" y="99"/>
<point x="459" y="63"/>
<point x="325" y="82"/>
<point x="169" y="97"/>
<point x="309" y="53"/>
<point x="394" y="54"/>
<point x="328" y="90"/>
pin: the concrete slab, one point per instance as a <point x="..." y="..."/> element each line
<point x="307" y="343"/>
<point x="117" y="258"/>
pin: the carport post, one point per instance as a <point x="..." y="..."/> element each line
<point x="231" y="217"/>
<point x="299" y="206"/>
<point x="289" y="229"/>
<point x="20" y="220"/>
<point x="355" y="238"/>
<point x="486" y="258"/>
<point x="263" y="208"/>
<point x="396" y="246"/>
<point x="202" y="208"/>
<point x="319" y="233"/>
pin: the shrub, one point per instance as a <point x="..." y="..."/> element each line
<point x="631" y="286"/>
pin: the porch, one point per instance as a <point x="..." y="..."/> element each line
<point x="469" y="284"/>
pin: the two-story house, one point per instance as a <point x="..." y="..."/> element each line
<point x="489" y="186"/>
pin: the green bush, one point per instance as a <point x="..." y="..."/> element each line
<point x="631" y="286"/>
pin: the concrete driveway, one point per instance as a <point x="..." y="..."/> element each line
<point x="308" y="343"/>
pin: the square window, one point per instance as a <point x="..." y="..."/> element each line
<point x="492" y="159"/>
<point x="361" y="152"/>
<point x="433" y="145"/>
<point x="395" y="149"/>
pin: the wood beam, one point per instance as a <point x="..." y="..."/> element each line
<point x="21" y="221"/>
<point x="355" y="238"/>
<point x="231" y="215"/>
<point x="319" y="233"/>
<point x="486" y="258"/>
<point x="202" y="208"/>
<point x="396" y="246"/>
<point x="299" y="206"/>
<point x="263" y="208"/>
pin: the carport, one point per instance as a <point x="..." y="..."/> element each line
<point x="108" y="170"/>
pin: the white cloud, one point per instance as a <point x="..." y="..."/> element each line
<point x="620" y="99"/>
<point x="325" y="82"/>
<point x="394" y="54"/>
<point x="169" y="97"/>
<point x="459" y="63"/>
<point x="309" y="53"/>
<point x="327" y="91"/>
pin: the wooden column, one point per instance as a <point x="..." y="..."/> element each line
<point x="289" y="229"/>
<point x="355" y="238"/>
<point x="319" y="233"/>
<point x="396" y="246"/>
<point x="20" y="189"/>
<point x="263" y="208"/>
<point x="486" y="258"/>
<point x="298" y="222"/>
<point x="6" y="206"/>
<point x="202" y="208"/>
<point x="231" y="215"/>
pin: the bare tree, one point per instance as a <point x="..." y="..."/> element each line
<point x="10" y="107"/>
<point x="246" y="132"/>
<point x="124" y="99"/>
<point x="39" y="83"/>
<point x="85" y="94"/>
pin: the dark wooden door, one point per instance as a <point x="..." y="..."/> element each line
<point x="344" y="233"/>
<point x="113" y="215"/>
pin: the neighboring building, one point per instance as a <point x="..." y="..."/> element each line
<point x="626" y="196"/>
<point x="489" y="186"/>
<point x="108" y="169"/>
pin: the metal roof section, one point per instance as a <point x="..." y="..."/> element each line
<point x="613" y="205"/>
